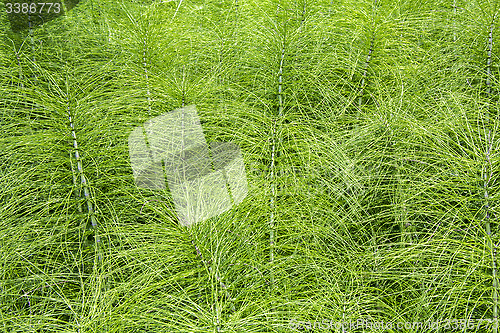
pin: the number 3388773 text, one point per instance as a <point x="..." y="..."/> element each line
<point x="33" y="8"/>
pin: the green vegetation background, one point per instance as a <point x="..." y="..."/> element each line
<point x="368" y="131"/>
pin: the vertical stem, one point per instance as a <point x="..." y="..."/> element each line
<point x="365" y="72"/>
<point x="303" y="14"/>
<point x="488" y="65"/>
<point x="83" y="182"/>
<point x="454" y="22"/>
<point x="144" y="63"/>
<point x="18" y="58"/>
<point x="183" y="85"/>
<point x="273" y="208"/>
<point x="368" y="58"/>
<point x="220" y="78"/>
<point x="77" y="191"/>
<point x="495" y="290"/>
<point x="21" y="74"/>
<point x="487" y="176"/>
<point x="236" y="17"/>
<point x="272" y="233"/>
<point x="222" y="285"/>
<point x="280" y="83"/>
<point x="32" y="41"/>
<point x="84" y="185"/>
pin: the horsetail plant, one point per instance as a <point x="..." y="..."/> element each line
<point x="146" y="76"/>
<point x="365" y="71"/>
<point x="454" y="20"/>
<point x="32" y="41"/>
<point x="18" y="59"/>
<point x="92" y="229"/>
<point x="274" y="157"/>
<point x="367" y="61"/>
<point x="487" y="174"/>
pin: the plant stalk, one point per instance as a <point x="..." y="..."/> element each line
<point x="487" y="176"/>
<point x="272" y="222"/>
<point x="84" y="184"/>
<point x="365" y="73"/>
<point x="144" y="63"/>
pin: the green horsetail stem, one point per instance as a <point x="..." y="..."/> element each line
<point x="83" y="184"/>
<point x="274" y="155"/>
<point x="18" y="59"/>
<point x="487" y="177"/>
<point x="368" y="59"/>
<point x="146" y="76"/>
<point x="365" y="72"/>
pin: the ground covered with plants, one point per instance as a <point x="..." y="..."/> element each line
<point x="367" y="128"/>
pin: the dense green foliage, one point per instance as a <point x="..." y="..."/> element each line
<point x="368" y="131"/>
